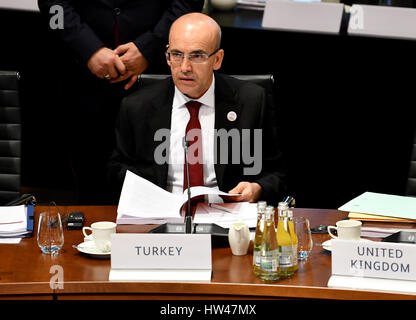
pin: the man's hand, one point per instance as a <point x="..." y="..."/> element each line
<point x="249" y="191"/>
<point x="134" y="61"/>
<point x="104" y="63"/>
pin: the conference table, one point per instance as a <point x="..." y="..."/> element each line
<point x="26" y="273"/>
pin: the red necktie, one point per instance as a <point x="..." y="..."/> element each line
<point x="116" y="12"/>
<point x="194" y="136"/>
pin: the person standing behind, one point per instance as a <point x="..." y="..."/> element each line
<point x="110" y="42"/>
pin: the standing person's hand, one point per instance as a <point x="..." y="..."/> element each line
<point x="105" y="64"/>
<point x="134" y="61"/>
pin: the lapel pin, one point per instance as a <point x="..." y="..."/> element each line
<point x="231" y="116"/>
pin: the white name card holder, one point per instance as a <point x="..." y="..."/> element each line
<point x="380" y="266"/>
<point x="380" y="21"/>
<point x="160" y="257"/>
<point x="324" y="17"/>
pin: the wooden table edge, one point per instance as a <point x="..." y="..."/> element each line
<point x="28" y="289"/>
<point x="264" y="291"/>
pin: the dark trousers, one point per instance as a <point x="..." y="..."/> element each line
<point x="91" y="106"/>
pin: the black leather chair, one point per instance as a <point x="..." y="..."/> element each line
<point x="10" y="137"/>
<point x="266" y="80"/>
<point x="411" y="180"/>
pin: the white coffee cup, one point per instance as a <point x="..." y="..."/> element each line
<point x="101" y="233"/>
<point x="347" y="230"/>
<point x="239" y="238"/>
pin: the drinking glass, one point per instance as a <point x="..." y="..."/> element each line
<point x="303" y="232"/>
<point x="50" y="231"/>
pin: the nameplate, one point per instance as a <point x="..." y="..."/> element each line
<point x="391" y="22"/>
<point x="324" y="17"/>
<point x="152" y="256"/>
<point x="374" y="259"/>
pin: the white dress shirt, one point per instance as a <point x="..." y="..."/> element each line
<point x="179" y="120"/>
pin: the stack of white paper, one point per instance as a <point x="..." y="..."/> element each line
<point x="13" y="221"/>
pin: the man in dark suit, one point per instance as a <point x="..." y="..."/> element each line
<point x="223" y="103"/>
<point x="107" y="44"/>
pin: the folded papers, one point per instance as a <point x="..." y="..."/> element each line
<point x="142" y="202"/>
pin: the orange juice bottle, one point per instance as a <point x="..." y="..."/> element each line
<point x="261" y="208"/>
<point x="285" y="245"/>
<point x="269" y="249"/>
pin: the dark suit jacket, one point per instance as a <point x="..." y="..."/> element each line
<point x="149" y="109"/>
<point x="89" y="24"/>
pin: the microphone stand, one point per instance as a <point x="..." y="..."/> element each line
<point x="219" y="235"/>
<point x="188" y="214"/>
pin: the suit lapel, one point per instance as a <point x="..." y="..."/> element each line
<point x="225" y="107"/>
<point x="160" y="118"/>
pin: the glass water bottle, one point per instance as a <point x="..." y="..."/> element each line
<point x="294" y="239"/>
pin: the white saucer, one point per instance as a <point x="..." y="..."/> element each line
<point x="88" y="248"/>
<point x="328" y="246"/>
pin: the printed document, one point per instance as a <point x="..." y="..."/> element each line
<point x="142" y="202"/>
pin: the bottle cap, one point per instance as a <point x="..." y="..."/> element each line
<point x="261" y="204"/>
<point x="269" y="211"/>
<point x="283" y="205"/>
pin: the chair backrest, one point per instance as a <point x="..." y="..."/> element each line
<point x="10" y="137"/>
<point x="411" y="180"/>
<point x="266" y="80"/>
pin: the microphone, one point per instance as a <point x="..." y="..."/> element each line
<point x="188" y="215"/>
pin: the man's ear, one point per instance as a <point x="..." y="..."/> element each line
<point x="168" y="62"/>
<point x="219" y="56"/>
<point x="166" y="56"/>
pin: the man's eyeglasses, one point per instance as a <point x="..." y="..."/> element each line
<point x="195" y="58"/>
